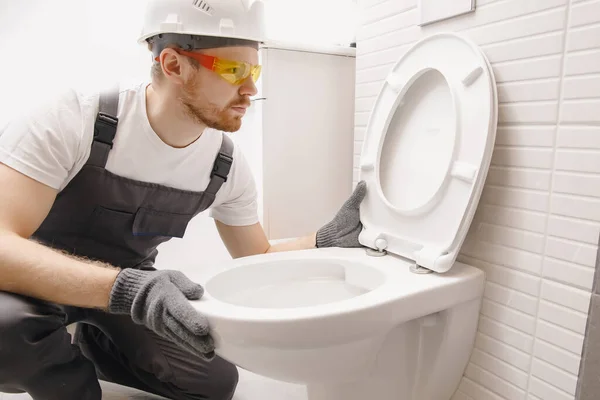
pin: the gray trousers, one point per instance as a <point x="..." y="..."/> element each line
<point x="37" y="356"/>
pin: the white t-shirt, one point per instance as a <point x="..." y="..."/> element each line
<point x="52" y="144"/>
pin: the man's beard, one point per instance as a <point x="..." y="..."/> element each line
<point x="211" y="115"/>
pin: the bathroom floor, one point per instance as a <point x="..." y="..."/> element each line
<point x="250" y="387"/>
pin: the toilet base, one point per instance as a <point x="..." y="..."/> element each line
<point x="390" y="377"/>
<point x="423" y="359"/>
<point x="368" y="389"/>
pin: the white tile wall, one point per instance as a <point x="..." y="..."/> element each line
<point x="536" y="230"/>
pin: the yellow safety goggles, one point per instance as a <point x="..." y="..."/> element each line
<point x="234" y="72"/>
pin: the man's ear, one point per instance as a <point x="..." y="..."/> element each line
<point x="172" y="66"/>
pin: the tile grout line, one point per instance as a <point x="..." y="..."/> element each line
<point x="551" y="189"/>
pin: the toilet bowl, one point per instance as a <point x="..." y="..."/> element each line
<point x="397" y="318"/>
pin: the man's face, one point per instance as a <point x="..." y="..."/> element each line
<point x="213" y="101"/>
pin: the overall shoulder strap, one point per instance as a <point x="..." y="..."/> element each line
<point x="221" y="167"/>
<point x="105" y="127"/>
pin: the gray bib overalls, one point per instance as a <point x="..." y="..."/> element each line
<point x="102" y="216"/>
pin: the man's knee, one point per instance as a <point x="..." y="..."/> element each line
<point x="14" y="312"/>
<point x="23" y="324"/>
<point x="224" y="380"/>
<point x="218" y="382"/>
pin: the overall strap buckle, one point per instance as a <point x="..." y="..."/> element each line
<point x="105" y="128"/>
<point x="222" y="166"/>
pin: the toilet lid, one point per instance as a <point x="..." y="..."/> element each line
<point x="427" y="150"/>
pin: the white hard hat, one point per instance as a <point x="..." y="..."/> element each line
<point x="191" y="20"/>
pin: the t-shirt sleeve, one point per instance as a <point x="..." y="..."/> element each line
<point x="236" y="203"/>
<point x="44" y="143"/>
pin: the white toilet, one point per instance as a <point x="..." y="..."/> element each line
<point x="395" y="320"/>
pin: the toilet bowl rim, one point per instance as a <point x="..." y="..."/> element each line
<point x="400" y="285"/>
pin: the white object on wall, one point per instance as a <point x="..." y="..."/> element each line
<point x="308" y="136"/>
<point x="437" y="10"/>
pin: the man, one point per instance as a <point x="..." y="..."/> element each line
<point x="94" y="183"/>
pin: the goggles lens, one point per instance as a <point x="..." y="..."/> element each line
<point x="234" y="72"/>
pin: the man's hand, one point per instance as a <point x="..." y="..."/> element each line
<point x="345" y="227"/>
<point x="159" y="300"/>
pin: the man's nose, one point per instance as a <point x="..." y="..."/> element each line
<point x="248" y="88"/>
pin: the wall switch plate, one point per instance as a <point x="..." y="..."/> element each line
<point x="437" y="10"/>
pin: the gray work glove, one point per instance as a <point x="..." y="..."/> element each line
<point x="345" y="227"/>
<point x="160" y="301"/>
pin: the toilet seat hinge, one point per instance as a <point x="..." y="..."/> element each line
<point x="376" y="253"/>
<point x="417" y="269"/>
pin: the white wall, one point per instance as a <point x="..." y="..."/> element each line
<point x="536" y="229"/>
<point x="312" y="22"/>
